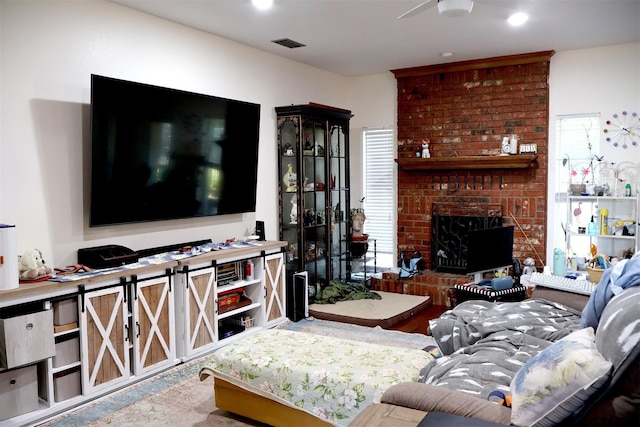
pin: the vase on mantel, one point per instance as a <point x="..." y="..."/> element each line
<point x="577" y="189"/>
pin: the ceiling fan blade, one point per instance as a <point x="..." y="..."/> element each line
<point x="419" y="8"/>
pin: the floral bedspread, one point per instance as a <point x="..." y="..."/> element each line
<point x="331" y="378"/>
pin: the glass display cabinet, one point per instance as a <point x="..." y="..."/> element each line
<point x="313" y="164"/>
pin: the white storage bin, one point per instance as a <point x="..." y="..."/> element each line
<point x="26" y="339"/>
<point x="65" y="311"/>
<point x="18" y="392"/>
<point x="67" y="352"/>
<point x="66" y="385"/>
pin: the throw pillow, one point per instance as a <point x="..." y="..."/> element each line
<point x="554" y="384"/>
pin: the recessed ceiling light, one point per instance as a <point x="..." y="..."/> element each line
<point x="517" y="19"/>
<point x="262" y="4"/>
<point x="446" y="54"/>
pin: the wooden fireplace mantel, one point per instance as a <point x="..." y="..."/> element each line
<point x="516" y="161"/>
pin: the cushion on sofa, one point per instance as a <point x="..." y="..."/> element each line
<point x="427" y="397"/>
<point x="618" y="333"/>
<point x="618" y="340"/>
<point x="554" y="384"/>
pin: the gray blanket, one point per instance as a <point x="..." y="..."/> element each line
<point x="486" y="343"/>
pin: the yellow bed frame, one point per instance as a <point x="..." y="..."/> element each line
<point x="235" y="399"/>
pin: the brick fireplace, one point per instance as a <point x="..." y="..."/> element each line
<point x="464" y="110"/>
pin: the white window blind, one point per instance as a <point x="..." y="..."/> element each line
<point x="379" y="191"/>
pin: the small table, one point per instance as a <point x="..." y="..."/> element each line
<point x="464" y="292"/>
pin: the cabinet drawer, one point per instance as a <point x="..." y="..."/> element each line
<point x="18" y="392"/>
<point x="26" y="339"/>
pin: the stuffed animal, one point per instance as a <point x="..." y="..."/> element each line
<point x="31" y="265"/>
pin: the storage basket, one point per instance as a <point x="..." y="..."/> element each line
<point x="595" y="274"/>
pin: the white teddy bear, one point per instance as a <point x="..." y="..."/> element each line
<point x="31" y="265"/>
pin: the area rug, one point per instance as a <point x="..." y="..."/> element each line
<point x="392" y="309"/>
<point x="178" y="398"/>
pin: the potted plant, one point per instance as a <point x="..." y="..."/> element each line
<point x="584" y="170"/>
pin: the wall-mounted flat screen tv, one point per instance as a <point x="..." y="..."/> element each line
<point x="160" y="153"/>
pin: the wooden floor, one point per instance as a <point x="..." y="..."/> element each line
<point x="418" y="323"/>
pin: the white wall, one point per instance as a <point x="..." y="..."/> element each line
<point x="50" y="49"/>
<point x="374" y="103"/>
<point x="602" y="80"/>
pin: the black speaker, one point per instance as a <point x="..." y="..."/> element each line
<point x="260" y="230"/>
<point x="106" y="256"/>
<point x="297" y="296"/>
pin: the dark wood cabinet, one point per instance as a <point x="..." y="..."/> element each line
<point x="313" y="165"/>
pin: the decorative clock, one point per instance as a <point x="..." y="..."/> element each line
<point x="623" y="129"/>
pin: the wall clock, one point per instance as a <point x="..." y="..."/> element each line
<point x="623" y="129"/>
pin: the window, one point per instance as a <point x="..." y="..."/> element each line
<point x="578" y="145"/>
<point x="578" y="151"/>
<point x="380" y="191"/>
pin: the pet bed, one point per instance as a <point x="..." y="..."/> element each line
<point x="393" y="308"/>
<point x="295" y="375"/>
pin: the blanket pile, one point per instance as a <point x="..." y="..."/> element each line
<point x="504" y="337"/>
<point x="344" y="291"/>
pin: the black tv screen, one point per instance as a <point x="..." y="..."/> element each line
<point x="489" y="249"/>
<point x="160" y="153"/>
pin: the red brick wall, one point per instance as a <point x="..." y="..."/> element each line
<point x="464" y="109"/>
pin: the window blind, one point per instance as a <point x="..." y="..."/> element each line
<point x="379" y="190"/>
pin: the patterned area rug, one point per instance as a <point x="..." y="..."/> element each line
<point x="178" y="398"/>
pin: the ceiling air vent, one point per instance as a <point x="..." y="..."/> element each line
<point x="291" y="44"/>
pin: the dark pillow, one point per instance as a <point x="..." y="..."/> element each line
<point x="618" y="340"/>
<point x="618" y="333"/>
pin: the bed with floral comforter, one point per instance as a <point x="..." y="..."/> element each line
<point x="333" y="379"/>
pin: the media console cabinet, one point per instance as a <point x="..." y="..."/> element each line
<point x="65" y="343"/>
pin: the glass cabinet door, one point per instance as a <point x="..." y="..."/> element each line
<point x="314" y="201"/>
<point x="339" y="193"/>
<point x="288" y="134"/>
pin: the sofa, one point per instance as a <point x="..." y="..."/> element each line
<point x="587" y="376"/>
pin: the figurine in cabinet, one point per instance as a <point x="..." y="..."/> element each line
<point x="293" y="214"/>
<point x="289" y="180"/>
<point x="288" y="150"/>
<point x="309" y="217"/>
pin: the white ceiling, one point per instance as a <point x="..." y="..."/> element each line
<point x="360" y="37"/>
